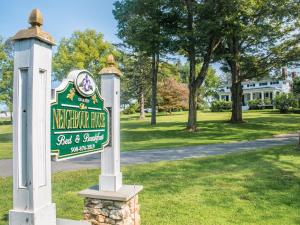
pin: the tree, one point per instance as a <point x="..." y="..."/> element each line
<point x="252" y="45"/>
<point x="296" y="88"/>
<point x="195" y="33"/>
<point x="6" y="72"/>
<point x="285" y="101"/>
<point x="136" y="80"/>
<point x="209" y="90"/>
<point x="83" y="50"/>
<point x="173" y="95"/>
<point x="140" y="27"/>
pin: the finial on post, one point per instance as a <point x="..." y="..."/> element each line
<point x="111" y="66"/>
<point x="35" y="18"/>
<point x="111" y="60"/>
<point x="35" y="31"/>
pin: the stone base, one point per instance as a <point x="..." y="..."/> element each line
<point x="112" y="208"/>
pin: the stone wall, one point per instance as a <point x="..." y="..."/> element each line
<point x="111" y="212"/>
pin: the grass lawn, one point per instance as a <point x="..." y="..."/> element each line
<point x="213" y="128"/>
<point x="169" y="131"/>
<point x="5" y="141"/>
<point x="260" y="187"/>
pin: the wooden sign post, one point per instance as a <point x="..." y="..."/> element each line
<point x="32" y="201"/>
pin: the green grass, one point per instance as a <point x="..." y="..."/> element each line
<point x="260" y="187"/>
<point x="213" y="128"/>
<point x="170" y="130"/>
<point x="5" y="141"/>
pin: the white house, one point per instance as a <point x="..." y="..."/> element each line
<point x="266" y="88"/>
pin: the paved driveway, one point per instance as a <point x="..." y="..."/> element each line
<point x="145" y="156"/>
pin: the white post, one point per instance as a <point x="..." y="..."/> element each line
<point x="111" y="177"/>
<point x="262" y="95"/>
<point x="32" y="203"/>
<point x="251" y="96"/>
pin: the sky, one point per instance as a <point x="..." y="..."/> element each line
<point x="61" y="18"/>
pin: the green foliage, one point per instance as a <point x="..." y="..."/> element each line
<point x="255" y="104"/>
<point x="221" y="106"/>
<point x="296" y="86"/>
<point x="5" y="140"/>
<point x="136" y="79"/>
<point x="209" y="90"/>
<point x="6" y="72"/>
<point x="83" y="50"/>
<point x="131" y="109"/>
<point x="284" y="102"/>
<point x="256" y="41"/>
<point x="267" y="102"/>
<point x="139" y="24"/>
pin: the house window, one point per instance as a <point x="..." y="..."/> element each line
<point x="250" y="85"/>
<point x="263" y="84"/>
<point x="274" y="82"/>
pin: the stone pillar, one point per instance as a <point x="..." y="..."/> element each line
<point x="32" y="203"/>
<point x="122" y="209"/>
<point x="111" y="202"/>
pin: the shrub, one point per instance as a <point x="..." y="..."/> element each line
<point x="285" y="101"/>
<point x="133" y="108"/>
<point x="255" y="104"/>
<point x="267" y="101"/>
<point x="221" y="106"/>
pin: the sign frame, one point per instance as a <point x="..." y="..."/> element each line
<point x="72" y="80"/>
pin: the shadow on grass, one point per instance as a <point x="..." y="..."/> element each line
<point x="5" y="122"/>
<point x="266" y="173"/>
<point x="6" y="137"/>
<point x="210" y="131"/>
<point x="5" y="217"/>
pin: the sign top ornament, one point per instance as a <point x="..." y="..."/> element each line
<point x="35" y="31"/>
<point x="85" y="84"/>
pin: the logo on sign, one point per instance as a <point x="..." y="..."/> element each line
<point x="85" y="84"/>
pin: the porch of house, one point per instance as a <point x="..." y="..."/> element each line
<point x="249" y="95"/>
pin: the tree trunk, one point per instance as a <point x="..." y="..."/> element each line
<point x="155" y="62"/>
<point x="236" y="79"/>
<point x="192" y="120"/>
<point x="237" y="95"/>
<point x="142" y="104"/>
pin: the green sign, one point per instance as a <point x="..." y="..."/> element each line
<point x="79" y="120"/>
